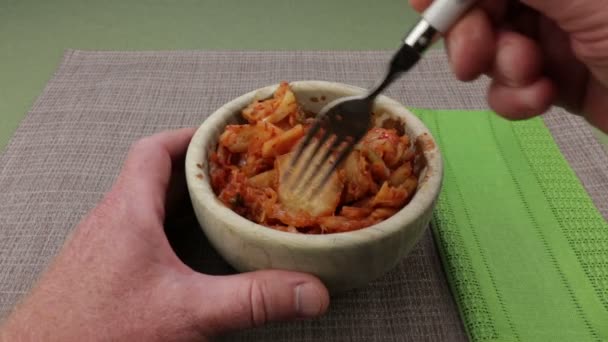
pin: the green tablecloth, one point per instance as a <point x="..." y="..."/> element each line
<point x="34" y="34"/>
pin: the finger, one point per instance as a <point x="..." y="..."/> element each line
<point x="518" y="103"/>
<point x="145" y="177"/>
<point x="420" y="5"/>
<point x="496" y="9"/>
<point x="518" y="60"/>
<point x="471" y="45"/>
<point x="251" y="299"/>
<point x="174" y="142"/>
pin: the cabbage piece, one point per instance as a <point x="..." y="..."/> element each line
<point x="236" y="138"/>
<point x="389" y="196"/>
<point x="378" y="168"/>
<point x="274" y="109"/>
<point x="263" y="180"/>
<point x="395" y="197"/>
<point x="283" y="142"/>
<point x="402" y="173"/>
<point x="358" y="179"/>
<point x="324" y="203"/>
<point x="355" y="212"/>
<point x="335" y="224"/>
<point x="286" y="104"/>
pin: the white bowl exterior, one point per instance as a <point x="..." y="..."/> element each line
<point x="342" y="260"/>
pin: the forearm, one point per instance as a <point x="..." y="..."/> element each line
<point x="56" y="311"/>
<point x="48" y="318"/>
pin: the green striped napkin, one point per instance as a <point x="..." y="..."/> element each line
<point x="524" y="248"/>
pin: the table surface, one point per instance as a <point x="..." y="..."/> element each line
<point x="34" y="34"/>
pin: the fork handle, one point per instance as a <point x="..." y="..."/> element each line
<point x="439" y="17"/>
<point x="443" y="14"/>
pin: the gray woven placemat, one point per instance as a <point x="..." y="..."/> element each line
<point x="69" y="148"/>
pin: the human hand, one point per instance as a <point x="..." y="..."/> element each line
<point x="537" y="52"/>
<point x="117" y="277"/>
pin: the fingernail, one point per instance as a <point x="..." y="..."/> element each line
<point x="308" y="301"/>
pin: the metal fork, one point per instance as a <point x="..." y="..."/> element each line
<point x="342" y="123"/>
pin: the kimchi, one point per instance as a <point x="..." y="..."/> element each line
<point x="375" y="181"/>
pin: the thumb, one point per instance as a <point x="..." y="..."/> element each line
<point x="252" y="299"/>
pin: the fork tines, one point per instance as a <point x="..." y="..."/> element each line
<point x="316" y="159"/>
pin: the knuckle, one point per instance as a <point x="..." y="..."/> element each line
<point x="140" y="153"/>
<point x="144" y="143"/>
<point x="258" y="305"/>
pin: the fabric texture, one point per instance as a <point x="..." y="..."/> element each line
<point x="69" y="149"/>
<point x="523" y="245"/>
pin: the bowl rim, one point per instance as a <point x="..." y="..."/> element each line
<point x="424" y="198"/>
